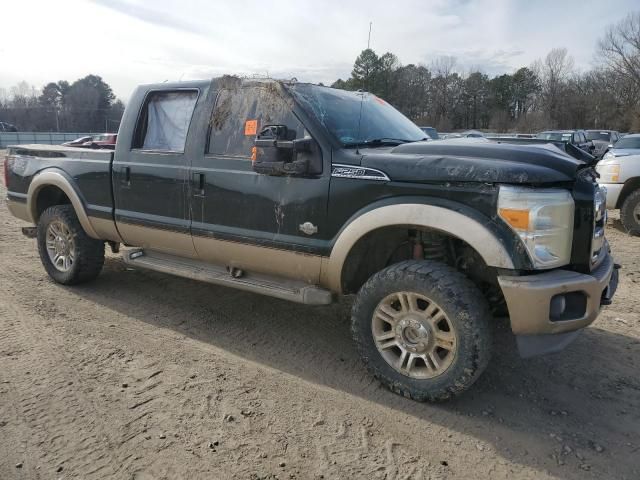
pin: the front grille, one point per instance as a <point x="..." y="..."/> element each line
<point x="598" y="242"/>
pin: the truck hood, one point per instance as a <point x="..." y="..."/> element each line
<point x="624" y="152"/>
<point x="472" y="160"/>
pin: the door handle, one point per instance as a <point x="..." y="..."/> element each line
<point x="198" y="181"/>
<point x="127" y="176"/>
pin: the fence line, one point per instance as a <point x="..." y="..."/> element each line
<point x="47" y="138"/>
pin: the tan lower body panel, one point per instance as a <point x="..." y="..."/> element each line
<point x="156" y="239"/>
<point x="105" y="229"/>
<point x="252" y="258"/>
<point x="283" y="263"/>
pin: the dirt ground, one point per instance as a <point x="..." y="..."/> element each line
<point x="143" y="375"/>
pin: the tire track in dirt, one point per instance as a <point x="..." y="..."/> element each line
<point x="61" y="422"/>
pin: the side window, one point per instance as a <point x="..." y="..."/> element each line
<point x="164" y="121"/>
<point x="583" y="138"/>
<point x="241" y="113"/>
<point x="576" y="137"/>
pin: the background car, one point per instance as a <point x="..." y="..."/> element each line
<point x="78" y="142"/>
<point x="577" y="138"/>
<point x="104" y="140"/>
<point x="431" y="132"/>
<point x="629" y="145"/>
<point x="472" y="134"/>
<point x="7" y="127"/>
<point x="603" y="140"/>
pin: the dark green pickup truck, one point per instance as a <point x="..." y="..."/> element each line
<point x="304" y="193"/>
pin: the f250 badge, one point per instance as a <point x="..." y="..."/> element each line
<point x="360" y="173"/>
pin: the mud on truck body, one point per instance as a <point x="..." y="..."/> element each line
<point x="306" y="193"/>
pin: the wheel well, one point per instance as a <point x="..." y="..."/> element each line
<point x="629" y="187"/>
<point x="388" y="245"/>
<point x="48" y="196"/>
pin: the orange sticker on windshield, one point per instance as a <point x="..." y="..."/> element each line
<point x="251" y="127"/>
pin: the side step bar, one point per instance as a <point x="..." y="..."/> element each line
<point x="285" y="289"/>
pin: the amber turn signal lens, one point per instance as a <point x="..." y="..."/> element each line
<point x="516" y="218"/>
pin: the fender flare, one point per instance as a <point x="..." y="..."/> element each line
<point x="492" y="251"/>
<point x="61" y="181"/>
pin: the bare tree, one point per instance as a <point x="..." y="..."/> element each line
<point x="620" y="48"/>
<point x="555" y="72"/>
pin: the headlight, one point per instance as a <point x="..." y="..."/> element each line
<point x="609" y="155"/>
<point x="543" y="219"/>
<point x="609" y="173"/>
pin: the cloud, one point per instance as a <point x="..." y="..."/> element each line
<point x="151" y="15"/>
<point x="128" y="42"/>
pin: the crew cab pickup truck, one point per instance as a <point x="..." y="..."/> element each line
<point x="305" y="193"/>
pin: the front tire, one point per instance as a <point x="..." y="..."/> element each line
<point x="67" y="253"/>
<point x="630" y="213"/>
<point x="422" y="329"/>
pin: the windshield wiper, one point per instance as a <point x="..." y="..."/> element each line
<point x="385" y="141"/>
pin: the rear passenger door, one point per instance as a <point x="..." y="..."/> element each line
<point x="151" y="174"/>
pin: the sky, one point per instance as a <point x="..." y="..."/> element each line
<point x="129" y="42"/>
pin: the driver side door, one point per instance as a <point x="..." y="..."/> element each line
<point x="249" y="220"/>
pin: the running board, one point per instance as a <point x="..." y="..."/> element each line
<point x="285" y="289"/>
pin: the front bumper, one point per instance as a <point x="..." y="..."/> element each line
<point x="535" y="301"/>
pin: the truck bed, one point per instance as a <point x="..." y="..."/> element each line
<point x="89" y="170"/>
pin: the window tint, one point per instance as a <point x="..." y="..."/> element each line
<point x="241" y="113"/>
<point x="164" y="121"/>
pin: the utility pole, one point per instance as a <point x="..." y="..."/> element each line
<point x="369" y="39"/>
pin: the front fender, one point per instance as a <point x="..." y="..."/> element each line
<point x="446" y="220"/>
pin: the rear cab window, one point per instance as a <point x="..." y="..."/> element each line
<point x="164" y="121"/>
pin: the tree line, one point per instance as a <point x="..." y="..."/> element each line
<point x="550" y="93"/>
<point x="86" y="105"/>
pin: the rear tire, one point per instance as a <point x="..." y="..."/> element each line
<point x="67" y="253"/>
<point x="422" y="329"/>
<point x="630" y="213"/>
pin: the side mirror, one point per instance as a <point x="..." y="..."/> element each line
<point x="275" y="152"/>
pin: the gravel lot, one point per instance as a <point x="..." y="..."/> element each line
<point x="142" y="375"/>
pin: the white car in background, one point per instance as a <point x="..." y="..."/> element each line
<point x="619" y="172"/>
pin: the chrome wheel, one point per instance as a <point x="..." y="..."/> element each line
<point x="60" y="246"/>
<point x="414" y="335"/>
